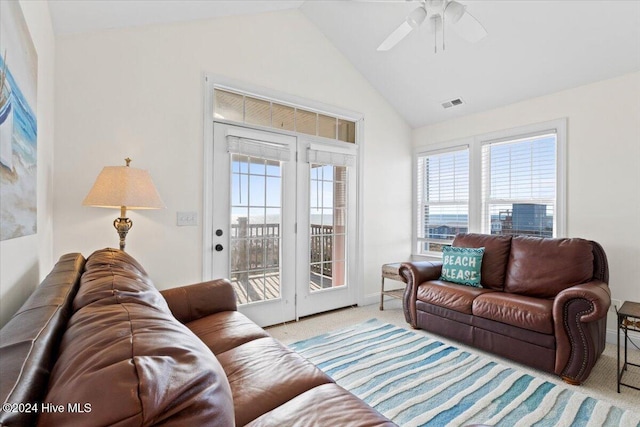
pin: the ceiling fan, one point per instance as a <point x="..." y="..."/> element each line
<point x="440" y="13"/>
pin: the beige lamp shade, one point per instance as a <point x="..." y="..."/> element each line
<point x="124" y="186"/>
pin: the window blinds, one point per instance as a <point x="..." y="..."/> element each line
<point x="333" y="158"/>
<point x="443" y="198"/>
<point x="519" y="185"/>
<point x="261" y="149"/>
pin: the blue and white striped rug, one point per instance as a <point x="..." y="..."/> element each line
<point x="418" y="381"/>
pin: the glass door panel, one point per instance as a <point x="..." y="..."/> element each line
<point x="327" y="220"/>
<point x="255" y="228"/>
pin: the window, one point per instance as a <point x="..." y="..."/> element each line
<point x="509" y="183"/>
<point x="242" y="108"/>
<point x="519" y="194"/>
<point x="443" y="198"/>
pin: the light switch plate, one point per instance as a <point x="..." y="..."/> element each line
<point x="187" y="219"/>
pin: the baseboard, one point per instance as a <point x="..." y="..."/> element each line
<point x="612" y="338"/>
<point x="374" y="298"/>
<point x="370" y="299"/>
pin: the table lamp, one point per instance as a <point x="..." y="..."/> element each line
<point x="125" y="188"/>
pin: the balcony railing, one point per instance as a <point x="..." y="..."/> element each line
<point x="255" y="258"/>
<point x="256" y="247"/>
<point x="321" y="246"/>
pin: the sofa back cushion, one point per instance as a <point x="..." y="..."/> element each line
<point x="30" y="339"/>
<point x="542" y="267"/>
<point x="495" y="259"/>
<point x="127" y="361"/>
<point x="114" y="277"/>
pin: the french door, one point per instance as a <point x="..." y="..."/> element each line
<point x="283" y="223"/>
<point x="326" y="220"/>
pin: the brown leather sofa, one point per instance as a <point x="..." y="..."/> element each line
<point x="96" y="344"/>
<point x="543" y="302"/>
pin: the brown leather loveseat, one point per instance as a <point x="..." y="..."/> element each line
<point x="97" y="344"/>
<point x="543" y="302"/>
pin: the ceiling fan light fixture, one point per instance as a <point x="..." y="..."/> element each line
<point x="441" y="13"/>
<point x="435" y="4"/>
<point x="417" y="17"/>
<point x="454" y="11"/>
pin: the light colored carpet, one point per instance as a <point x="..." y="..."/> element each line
<point x="601" y="384"/>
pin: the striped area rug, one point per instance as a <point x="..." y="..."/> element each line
<point x="417" y="381"/>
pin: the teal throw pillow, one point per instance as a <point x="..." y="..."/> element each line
<point x="462" y="265"/>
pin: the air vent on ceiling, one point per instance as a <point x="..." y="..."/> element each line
<point x="452" y="103"/>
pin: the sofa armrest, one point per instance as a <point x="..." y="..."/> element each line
<point x="416" y="273"/>
<point x="580" y="320"/>
<point x="596" y="292"/>
<point x="192" y="302"/>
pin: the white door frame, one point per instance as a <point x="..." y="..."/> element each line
<point x="283" y="307"/>
<point x="331" y="298"/>
<point x="212" y="81"/>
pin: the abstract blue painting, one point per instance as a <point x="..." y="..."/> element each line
<point x="18" y="125"/>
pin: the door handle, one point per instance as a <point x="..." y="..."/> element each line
<point x="219" y="247"/>
<point x="218" y="232"/>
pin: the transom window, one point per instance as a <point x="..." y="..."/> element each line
<point x="242" y="108"/>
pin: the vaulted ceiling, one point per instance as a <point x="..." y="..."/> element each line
<point x="533" y="47"/>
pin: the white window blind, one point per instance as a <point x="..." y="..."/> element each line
<point x="519" y="185"/>
<point x="443" y="198"/>
<point x="333" y="158"/>
<point x="261" y="149"/>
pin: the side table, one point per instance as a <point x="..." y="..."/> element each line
<point x="391" y="271"/>
<point x="628" y="320"/>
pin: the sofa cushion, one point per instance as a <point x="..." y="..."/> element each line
<point x="225" y="330"/>
<point x="263" y="374"/>
<point x="131" y="360"/>
<point x="449" y="295"/>
<point x="495" y="259"/>
<point x="462" y="265"/>
<point x="325" y="405"/>
<point x="542" y="267"/>
<point x="111" y="277"/>
<point x="29" y="340"/>
<point x="524" y="312"/>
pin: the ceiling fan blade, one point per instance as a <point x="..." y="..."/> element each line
<point x="469" y="28"/>
<point x="394" y="38"/>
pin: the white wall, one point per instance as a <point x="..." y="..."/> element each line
<point x="603" y="150"/>
<point x="139" y="93"/>
<point x="26" y="260"/>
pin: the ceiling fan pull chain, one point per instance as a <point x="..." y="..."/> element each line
<point x="435" y="36"/>
<point x="443" y="28"/>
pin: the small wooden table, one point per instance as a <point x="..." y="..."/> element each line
<point x="391" y="271"/>
<point x="628" y="320"/>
